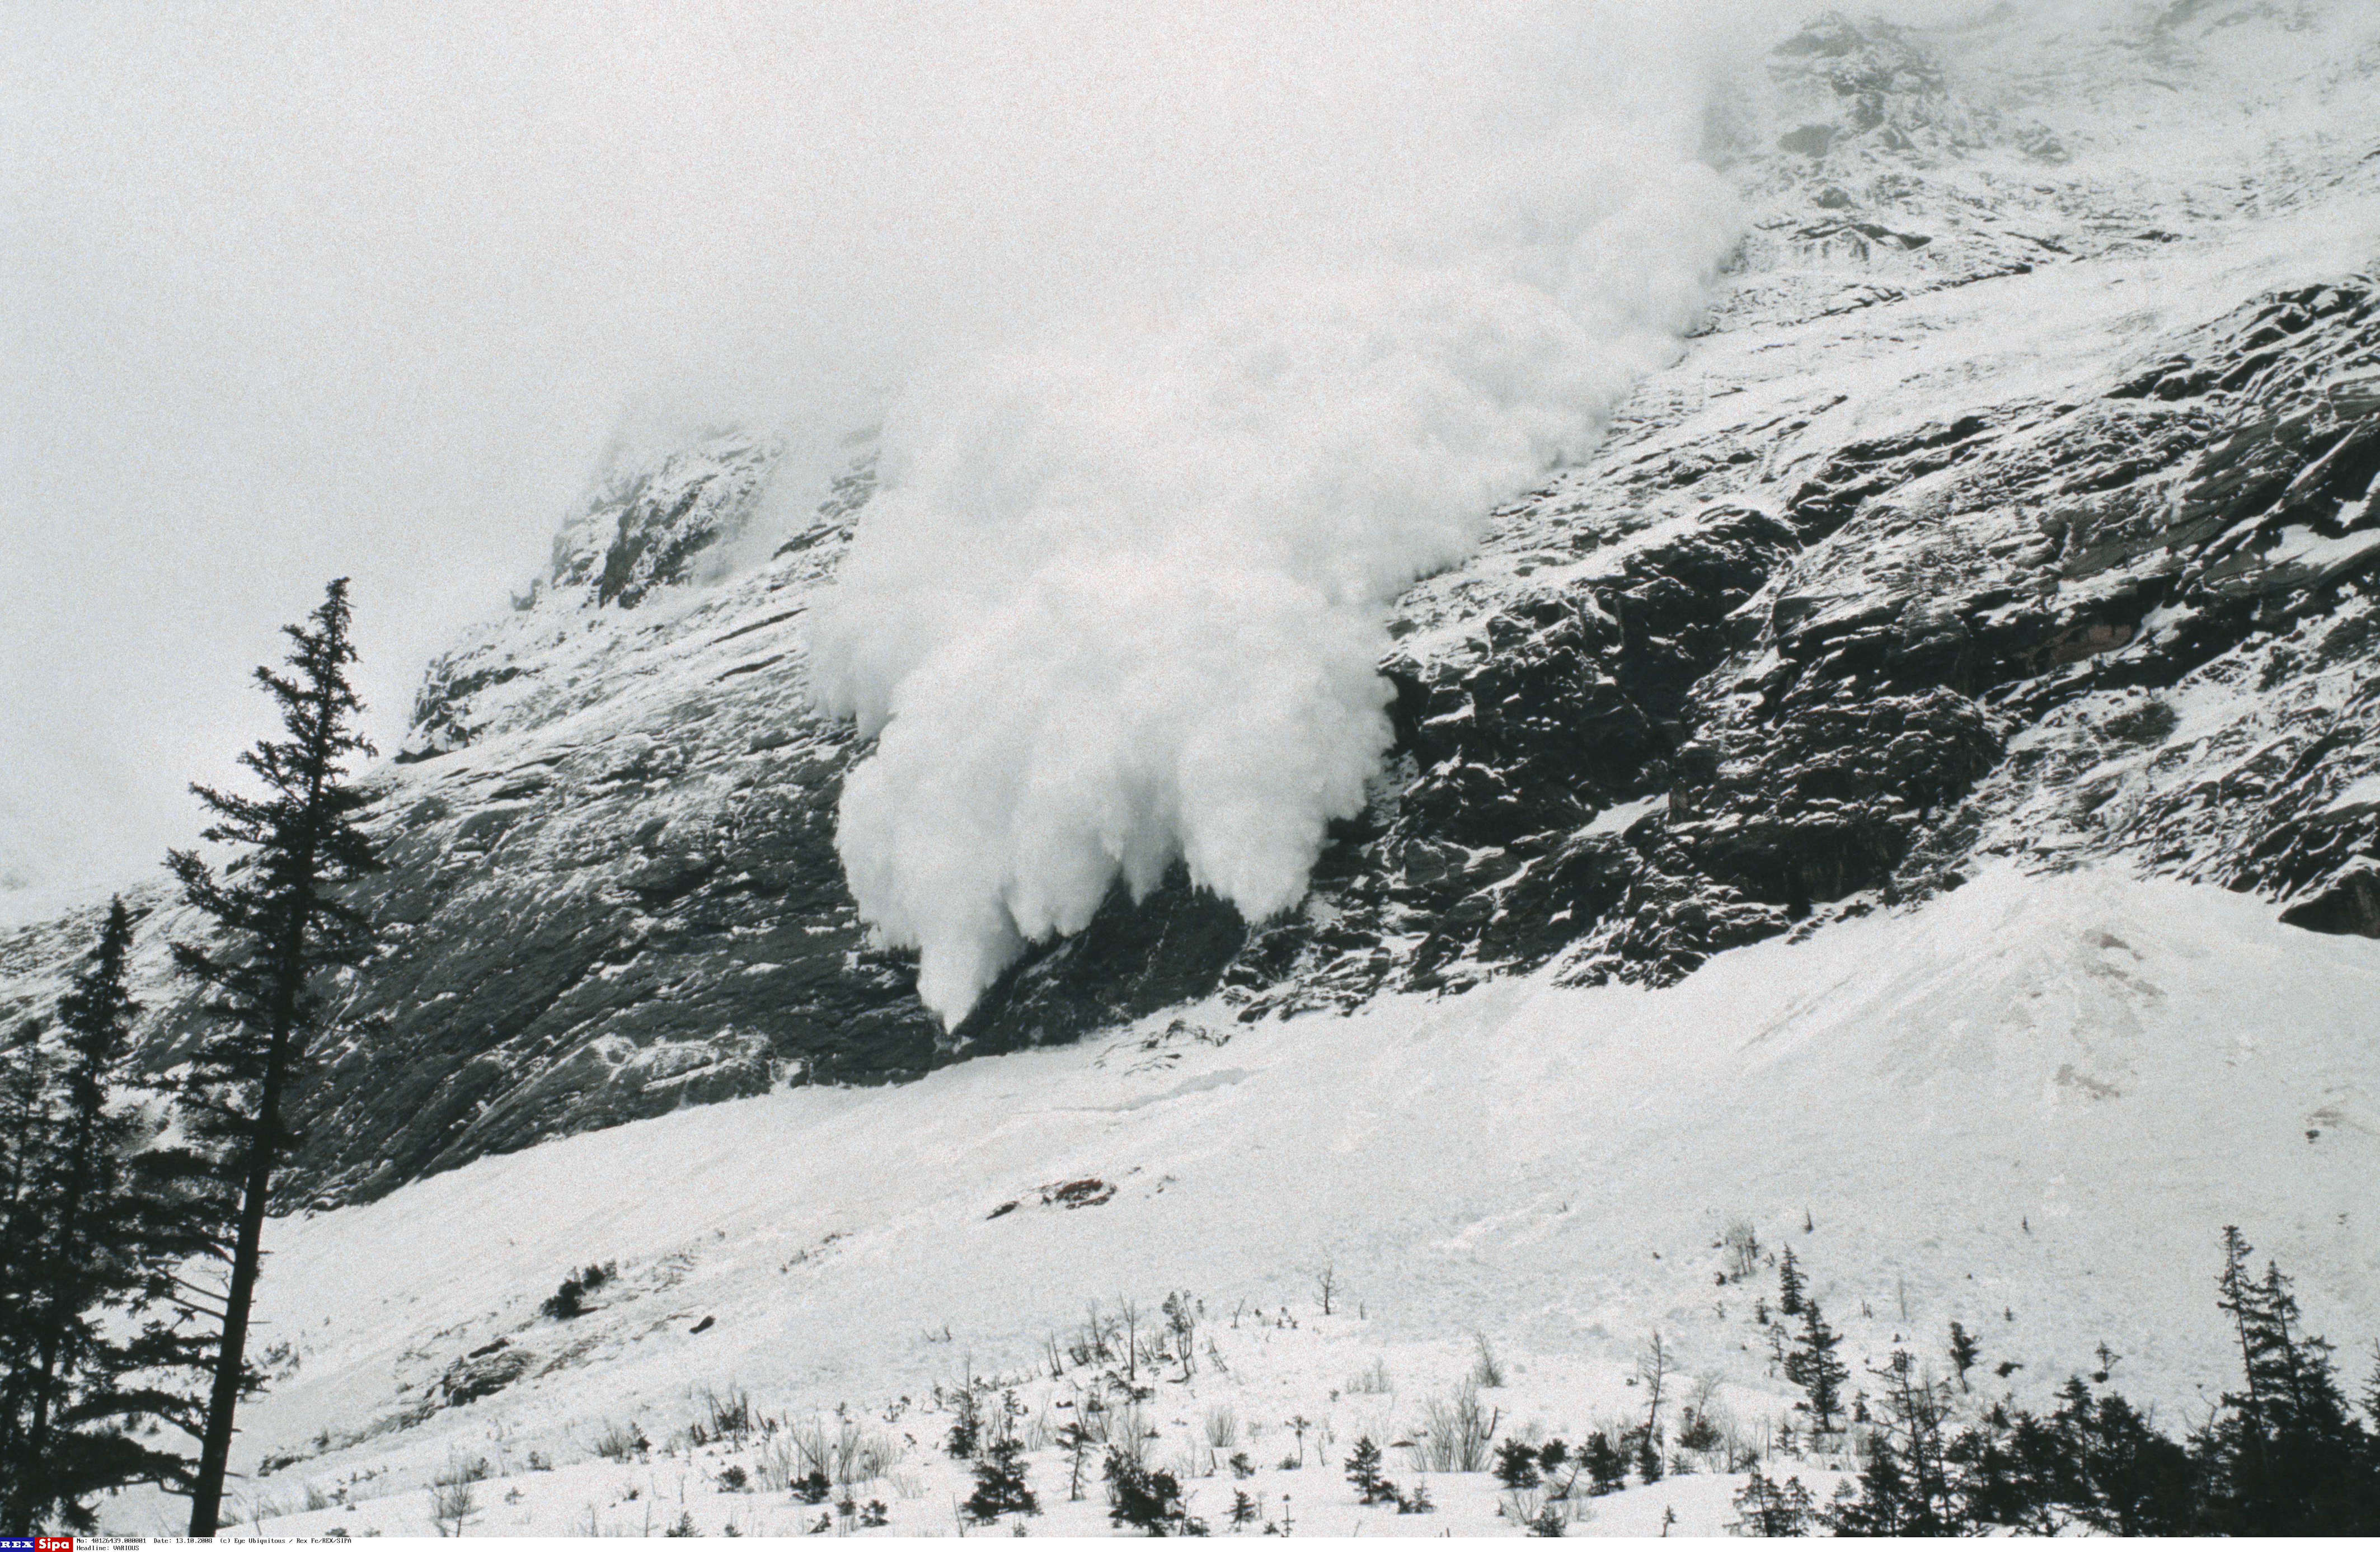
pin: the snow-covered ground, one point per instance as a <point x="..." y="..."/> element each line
<point x="2028" y="1105"/>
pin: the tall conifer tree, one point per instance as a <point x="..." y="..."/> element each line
<point x="99" y="1227"/>
<point x="27" y="1126"/>
<point x="279" y="924"/>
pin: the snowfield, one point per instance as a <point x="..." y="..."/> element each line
<point x="2028" y="1105"/>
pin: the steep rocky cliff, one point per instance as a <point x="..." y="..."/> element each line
<point x="2021" y="498"/>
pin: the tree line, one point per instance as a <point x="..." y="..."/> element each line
<point x="2283" y="1453"/>
<point x="133" y="1206"/>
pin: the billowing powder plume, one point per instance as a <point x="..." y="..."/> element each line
<point x="1121" y="599"/>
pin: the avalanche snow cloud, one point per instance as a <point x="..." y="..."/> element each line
<point x="1121" y="598"/>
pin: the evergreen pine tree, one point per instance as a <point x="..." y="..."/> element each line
<point x="100" y="1234"/>
<point x="1648" y="1453"/>
<point x="1788" y="1284"/>
<point x="1813" y="1367"/>
<point x="1363" y="1470"/>
<point x="1150" y="1501"/>
<point x="1765" y="1508"/>
<point x="1912" y="1430"/>
<point x="1606" y="1468"/>
<point x="1517" y="1464"/>
<point x="999" y="1485"/>
<point x="2115" y="1473"/>
<point x="2282" y="1456"/>
<point x="1077" y="1440"/>
<point x="26" y="1146"/>
<point x="1879" y="1505"/>
<point x="278" y="922"/>
<point x="1964" y="1351"/>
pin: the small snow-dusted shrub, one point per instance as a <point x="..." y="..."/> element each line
<point x="734" y="1479"/>
<point x="453" y="1499"/>
<point x="1740" y="1250"/>
<point x="1372" y="1381"/>
<point x="773" y="1464"/>
<point x="1455" y="1432"/>
<point x="569" y="1300"/>
<point x="846" y="1452"/>
<point x="725" y="1417"/>
<point x="1222" y="1427"/>
<point x="1698" y="1432"/>
<point x="622" y="1441"/>
<point x="1128" y="1433"/>
<point x="1486" y="1372"/>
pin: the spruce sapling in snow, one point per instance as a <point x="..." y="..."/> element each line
<point x="1000" y="1486"/>
<point x="1560" y="1468"/>
<point x="966" y="1424"/>
<point x="1516" y="1465"/>
<point x="1150" y="1501"/>
<point x="1813" y="1367"/>
<point x="278" y="922"/>
<point x="1606" y="1467"/>
<point x="1648" y="1454"/>
<point x="1363" y="1470"/>
<point x="1076" y="1438"/>
<point x="1964" y="1351"/>
<point x="1789" y="1285"/>
<point x="1772" y="1508"/>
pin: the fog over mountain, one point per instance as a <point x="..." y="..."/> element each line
<point x="378" y="291"/>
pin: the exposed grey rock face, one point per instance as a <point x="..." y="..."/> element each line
<point x="2020" y="503"/>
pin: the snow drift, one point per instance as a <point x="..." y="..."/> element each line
<point x="1120" y="600"/>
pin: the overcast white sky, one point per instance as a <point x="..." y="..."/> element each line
<point x="293" y="291"/>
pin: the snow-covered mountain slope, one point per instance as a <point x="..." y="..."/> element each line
<point x="2017" y="503"/>
<point x="2027" y="1104"/>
